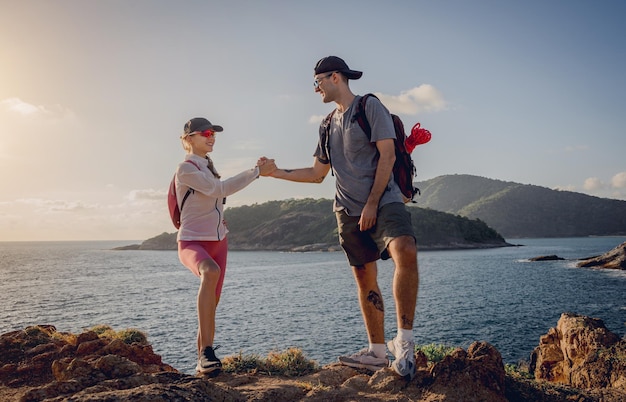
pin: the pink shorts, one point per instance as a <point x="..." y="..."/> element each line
<point x="192" y="253"/>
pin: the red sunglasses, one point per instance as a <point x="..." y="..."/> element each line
<point x="205" y="133"/>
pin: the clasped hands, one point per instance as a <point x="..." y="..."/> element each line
<point x="266" y="166"/>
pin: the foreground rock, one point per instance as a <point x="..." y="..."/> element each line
<point x="614" y="259"/>
<point x="581" y="352"/>
<point x="41" y="364"/>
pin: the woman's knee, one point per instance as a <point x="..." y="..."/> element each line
<point x="209" y="270"/>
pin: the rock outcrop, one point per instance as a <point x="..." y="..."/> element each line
<point x="581" y="352"/>
<point x="164" y="241"/>
<point x="551" y="257"/>
<point x="41" y="364"/>
<point x="614" y="259"/>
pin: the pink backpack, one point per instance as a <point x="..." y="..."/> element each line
<point x="172" y="202"/>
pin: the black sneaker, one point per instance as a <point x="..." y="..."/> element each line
<point x="208" y="363"/>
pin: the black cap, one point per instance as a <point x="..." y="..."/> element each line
<point x="200" y="124"/>
<point x="334" y="63"/>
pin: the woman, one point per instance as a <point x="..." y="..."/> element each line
<point x="202" y="242"/>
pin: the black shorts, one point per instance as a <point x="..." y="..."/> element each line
<point x="393" y="220"/>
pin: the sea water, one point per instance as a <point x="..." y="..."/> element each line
<point x="272" y="301"/>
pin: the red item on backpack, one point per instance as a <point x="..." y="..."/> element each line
<point x="417" y="137"/>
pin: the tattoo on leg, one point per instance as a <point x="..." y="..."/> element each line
<point x="406" y="322"/>
<point x="376" y="300"/>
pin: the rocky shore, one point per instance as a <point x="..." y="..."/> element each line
<point x="612" y="259"/>
<point x="167" y="241"/>
<point x="578" y="360"/>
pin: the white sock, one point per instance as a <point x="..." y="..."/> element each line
<point x="378" y="349"/>
<point x="405" y="334"/>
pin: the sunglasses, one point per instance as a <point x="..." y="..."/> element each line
<point x="205" y="133"/>
<point x="316" y="82"/>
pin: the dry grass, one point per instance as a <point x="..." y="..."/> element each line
<point x="129" y="335"/>
<point x="289" y="363"/>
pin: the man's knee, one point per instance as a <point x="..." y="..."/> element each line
<point x="365" y="275"/>
<point x="403" y="247"/>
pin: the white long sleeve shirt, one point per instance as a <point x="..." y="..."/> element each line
<point x="202" y="217"/>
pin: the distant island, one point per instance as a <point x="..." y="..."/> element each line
<point x="309" y="225"/>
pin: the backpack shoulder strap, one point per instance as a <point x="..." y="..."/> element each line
<point x="360" y="117"/>
<point x="325" y="136"/>
<point x="193" y="163"/>
<point x="190" y="190"/>
<point x="326" y="122"/>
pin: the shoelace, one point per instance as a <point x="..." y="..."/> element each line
<point x="209" y="351"/>
<point x="406" y="349"/>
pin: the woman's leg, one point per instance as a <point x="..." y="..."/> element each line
<point x="207" y="260"/>
<point x="207" y="302"/>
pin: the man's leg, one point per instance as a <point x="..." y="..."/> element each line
<point x="371" y="301"/>
<point x="403" y="251"/>
<point x="373" y="357"/>
<point x="360" y="247"/>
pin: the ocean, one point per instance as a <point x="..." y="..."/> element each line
<point x="272" y="301"/>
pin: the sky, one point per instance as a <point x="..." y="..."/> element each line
<point x="94" y="96"/>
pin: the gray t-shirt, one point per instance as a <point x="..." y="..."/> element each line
<point x="354" y="157"/>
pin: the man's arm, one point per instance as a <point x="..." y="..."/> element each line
<point x="313" y="174"/>
<point x="387" y="151"/>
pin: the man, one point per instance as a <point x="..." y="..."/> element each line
<point x="371" y="216"/>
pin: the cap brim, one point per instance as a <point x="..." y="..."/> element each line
<point x="352" y="74"/>
<point x="215" y="128"/>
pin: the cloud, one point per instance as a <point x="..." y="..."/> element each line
<point x="53" y="206"/>
<point x="316" y="119"/>
<point x="619" y="180"/>
<point x="593" y="184"/>
<point x="615" y="189"/>
<point x="569" y="187"/>
<point x="16" y="105"/>
<point x="53" y="113"/>
<point x="146" y="195"/>
<point x="423" y="99"/>
<point x="46" y="219"/>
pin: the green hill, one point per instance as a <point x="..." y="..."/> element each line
<point x="293" y="224"/>
<point x="309" y="224"/>
<point x="520" y="210"/>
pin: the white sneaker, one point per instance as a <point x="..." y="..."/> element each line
<point x="404" y="352"/>
<point x="364" y="358"/>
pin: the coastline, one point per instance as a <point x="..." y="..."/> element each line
<point x="167" y="241"/>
